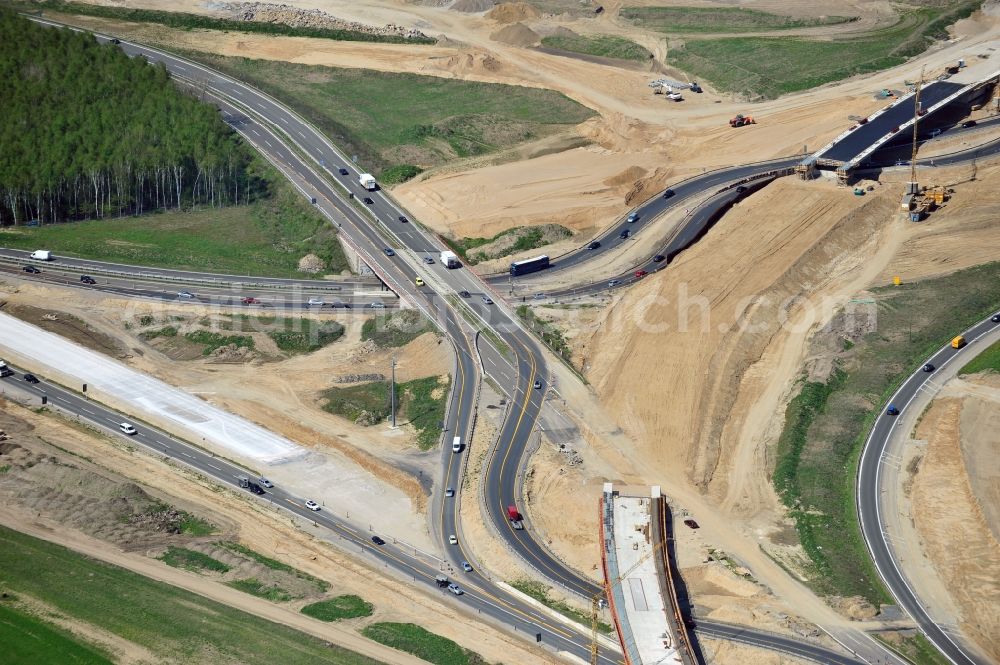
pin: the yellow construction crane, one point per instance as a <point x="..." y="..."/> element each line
<point x="595" y="601"/>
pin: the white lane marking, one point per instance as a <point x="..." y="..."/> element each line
<point x="214" y="467"/>
<point x="261" y="106"/>
<point x="186" y="455"/>
<point x="282" y="119"/>
<point x="254" y="131"/>
<point x="268" y="143"/>
<point x="302" y="135"/>
<point x="87" y="411"/>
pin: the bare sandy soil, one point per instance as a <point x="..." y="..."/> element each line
<point x="76" y="510"/>
<point x="955" y="495"/>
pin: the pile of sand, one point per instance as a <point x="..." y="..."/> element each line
<point x="511" y="12"/>
<point x="516" y="34"/>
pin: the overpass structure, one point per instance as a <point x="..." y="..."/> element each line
<point x="638" y="579"/>
<point x="894" y="123"/>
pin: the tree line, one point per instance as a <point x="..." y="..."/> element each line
<point x="88" y="132"/>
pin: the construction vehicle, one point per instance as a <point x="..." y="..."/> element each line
<point x="740" y="120"/>
<point x="516" y="520"/>
<point x="958" y="342"/>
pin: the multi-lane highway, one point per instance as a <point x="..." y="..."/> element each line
<point x="324" y="176"/>
<point x="872" y="472"/>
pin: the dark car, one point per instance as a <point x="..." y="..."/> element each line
<point x="403" y="219"/>
<point x="31" y="269"/>
<point x="389" y="252"/>
<point x="343" y="171"/>
<point x="31" y="378"/>
<point x="892" y="410"/>
<point x="116" y="41"/>
<point x="659" y="258"/>
<point x="369" y="200"/>
<point x="928" y="367"/>
<point x="594" y="245"/>
<point x="624" y="234"/>
<point x="538" y="385"/>
<point x="995" y="318"/>
<point x="691" y="523"/>
<point x="463" y="293"/>
<point x="741" y="189"/>
<point x="969" y="123"/>
<point x="255" y="488"/>
<point x="667" y="194"/>
<point x="377" y="540"/>
<point x="87" y="279"/>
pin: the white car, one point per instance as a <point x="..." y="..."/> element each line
<point x="450" y="492"/>
<point x="312" y="505"/>
<point x="266" y="483"/>
<point x="185" y="294"/>
<point x="466" y="566"/>
<point x="128" y="429"/>
<point x="453" y="539"/>
<point x="376" y="305"/>
<point x="316" y="302"/>
<point x="455" y="589"/>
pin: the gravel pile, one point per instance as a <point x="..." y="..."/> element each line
<point x="266" y="12"/>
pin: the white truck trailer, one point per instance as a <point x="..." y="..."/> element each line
<point x="367" y="181"/>
<point x="450" y="259"/>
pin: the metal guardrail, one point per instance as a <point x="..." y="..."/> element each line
<point x="144" y="276"/>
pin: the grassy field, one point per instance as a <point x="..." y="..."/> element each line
<point x="175" y="625"/>
<point x="180" y="557"/>
<point x="916" y="649"/>
<point x="441" y="119"/>
<point x="341" y="607"/>
<point x="770" y="67"/>
<point x="549" y="333"/>
<point x="419" y="402"/>
<point x="186" y="21"/>
<point x="395" y="328"/>
<point x="422" y="643"/>
<point x="988" y="360"/>
<point x="605" y="46"/>
<point x="274" y="564"/>
<point x="540" y="592"/>
<point x="266" y="238"/>
<point x="255" y="587"/>
<point x="827" y="423"/>
<point x="212" y="340"/>
<point x="526" y="238"/>
<point x="291" y="335"/>
<point x="24" y="638"/>
<point x="727" y="20"/>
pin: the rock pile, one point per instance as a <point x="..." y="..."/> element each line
<point x="267" y="12"/>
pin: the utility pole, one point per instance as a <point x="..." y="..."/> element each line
<point x="392" y="393"/>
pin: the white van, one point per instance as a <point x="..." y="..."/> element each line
<point x="41" y="255"/>
<point x="456" y="444"/>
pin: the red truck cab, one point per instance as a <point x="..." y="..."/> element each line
<point x="515" y="517"/>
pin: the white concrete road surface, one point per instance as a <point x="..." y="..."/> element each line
<point x="143" y="396"/>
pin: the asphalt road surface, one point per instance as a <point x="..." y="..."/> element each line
<point x="871" y="481"/>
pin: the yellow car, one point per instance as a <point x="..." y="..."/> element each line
<point x="419" y="282"/>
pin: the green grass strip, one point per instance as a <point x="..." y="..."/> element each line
<point x="25" y="638"/>
<point x="422" y="643"/>
<point x="987" y="361"/>
<point x="341" y="607"/>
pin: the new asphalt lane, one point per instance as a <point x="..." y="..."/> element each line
<point x="870" y="485"/>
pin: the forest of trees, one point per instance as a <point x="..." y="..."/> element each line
<point x="87" y="132"/>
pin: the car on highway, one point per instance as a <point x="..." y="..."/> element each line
<point x="403" y="219"/>
<point x="464" y="293"/>
<point x="741" y="189"/>
<point x="634" y="217"/>
<point x="455" y="589"/>
<point x="116" y="41"/>
<point x="658" y="258"/>
<point x="377" y="540"/>
<point x="538" y="385"/>
<point x="266" y="483"/>
<point x="376" y="305"/>
<point x="312" y="505"/>
<point x="87" y="279"/>
<point x="538" y="296"/>
<point x="341" y="305"/>
<point x="928" y="367"/>
<point x="995" y="318"/>
<point x="594" y="245"/>
<point x="31" y="269"/>
<point x="419" y="281"/>
<point x="343" y="171"/>
<point x="639" y="274"/>
<point x="249" y="301"/>
<point x="254" y="488"/>
<point x="614" y="282"/>
<point x="691" y="523"/>
<point x="450" y="492"/>
<point x="369" y="200"/>
<point x="31" y="378"/>
<point x="429" y="260"/>
<point x="316" y="302"/>
<point x="487" y="300"/>
<point x="452" y="539"/>
<point x="389" y="252"/>
<point x="624" y="234"/>
<point x="466" y="566"/>
<point x="127" y="428"/>
<point x="969" y="123"/>
<point x="667" y="194"/>
<point x="892" y="410"/>
<point x="187" y="295"/>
